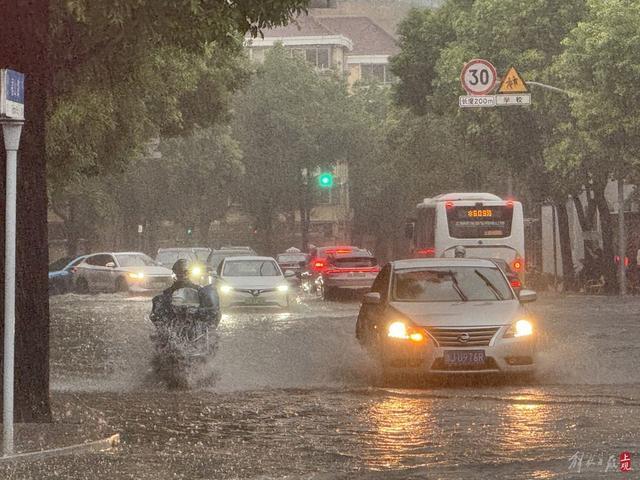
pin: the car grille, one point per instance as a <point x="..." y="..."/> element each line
<point x="455" y="337"/>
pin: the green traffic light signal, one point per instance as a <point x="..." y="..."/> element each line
<point x="325" y="180"/>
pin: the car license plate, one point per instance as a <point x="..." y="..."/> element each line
<point x="356" y="274"/>
<point x="468" y="358"/>
<point x="255" y="301"/>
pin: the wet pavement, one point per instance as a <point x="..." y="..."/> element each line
<point x="292" y="395"/>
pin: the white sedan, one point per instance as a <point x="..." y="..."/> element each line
<point x="252" y="281"/>
<point x="448" y="316"/>
<point x="121" y="272"/>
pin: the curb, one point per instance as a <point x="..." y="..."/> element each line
<point x="95" y="446"/>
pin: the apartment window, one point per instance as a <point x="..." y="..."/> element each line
<point x="318" y="56"/>
<point x="376" y="72"/>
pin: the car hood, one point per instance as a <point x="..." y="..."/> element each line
<point x="148" y="270"/>
<point x="452" y="314"/>
<point x="253" y="282"/>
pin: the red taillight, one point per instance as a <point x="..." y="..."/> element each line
<point x="339" y="250"/>
<point x="516" y="283"/>
<point x="448" y="205"/>
<point x="426" y="252"/>
<point x="509" y="203"/>
<point x="318" y="265"/>
<point x="518" y="265"/>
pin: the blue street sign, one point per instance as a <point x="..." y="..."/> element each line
<point x="15" y="86"/>
<point x="11" y="94"/>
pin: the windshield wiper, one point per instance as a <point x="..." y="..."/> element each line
<point x="491" y="286"/>
<point x="456" y="286"/>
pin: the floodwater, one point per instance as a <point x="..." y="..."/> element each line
<point x="292" y="395"/>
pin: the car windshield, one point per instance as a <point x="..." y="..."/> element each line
<point x="170" y="257"/>
<point x="59" y="264"/>
<point x="451" y="284"/>
<point x="354" y="262"/>
<point x="292" y="258"/>
<point x="216" y="259"/>
<point x="135" y="260"/>
<point x="251" y="268"/>
<point x="202" y="254"/>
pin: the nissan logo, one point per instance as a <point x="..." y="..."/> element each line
<point x="463" y="337"/>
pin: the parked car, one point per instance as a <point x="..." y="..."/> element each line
<point x="61" y="274"/>
<point x="121" y="272"/>
<point x="252" y="281"/>
<point x="448" y="316"/>
<point x="215" y="258"/>
<point x="196" y="257"/>
<point x="353" y="271"/>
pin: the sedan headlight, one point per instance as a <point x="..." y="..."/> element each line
<point x="519" y="328"/>
<point x="226" y="289"/>
<point x="282" y="288"/>
<point x="136" y="275"/>
<point x="400" y="330"/>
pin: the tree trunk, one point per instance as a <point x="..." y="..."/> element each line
<point x="72" y="228"/>
<point x="203" y="230"/>
<point x="23" y="47"/>
<point x="607" y="264"/>
<point x="565" y="246"/>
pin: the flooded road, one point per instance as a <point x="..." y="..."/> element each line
<point x="292" y="395"/>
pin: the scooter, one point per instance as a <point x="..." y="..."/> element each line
<point x="185" y="321"/>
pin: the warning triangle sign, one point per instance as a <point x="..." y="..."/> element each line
<point x="512" y="82"/>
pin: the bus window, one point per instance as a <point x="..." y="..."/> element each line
<point x="479" y="221"/>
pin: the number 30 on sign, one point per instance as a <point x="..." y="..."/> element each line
<point x="478" y="77"/>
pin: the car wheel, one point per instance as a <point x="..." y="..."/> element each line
<point x="121" y="285"/>
<point x="82" y="286"/>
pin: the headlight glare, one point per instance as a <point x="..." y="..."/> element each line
<point x="520" y="328"/>
<point x="136" y="275"/>
<point x="196" y="271"/>
<point x="283" y="288"/>
<point x="226" y="289"/>
<point x="397" y="330"/>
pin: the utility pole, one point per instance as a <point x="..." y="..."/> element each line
<point x="622" y="240"/>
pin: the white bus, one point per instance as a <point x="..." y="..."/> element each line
<point x="484" y="224"/>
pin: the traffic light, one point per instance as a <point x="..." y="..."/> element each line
<point x="325" y="180"/>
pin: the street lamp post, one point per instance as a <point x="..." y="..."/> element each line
<point x="11" y="130"/>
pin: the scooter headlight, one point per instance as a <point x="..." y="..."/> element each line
<point x="283" y="288"/>
<point x="225" y="289"/>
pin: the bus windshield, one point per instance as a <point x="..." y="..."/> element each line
<point x="479" y="221"/>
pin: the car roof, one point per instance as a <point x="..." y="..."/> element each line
<point x="442" y="262"/>
<point x="115" y="253"/>
<point x="248" y="257"/>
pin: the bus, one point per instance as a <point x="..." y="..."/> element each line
<point x="484" y="224"/>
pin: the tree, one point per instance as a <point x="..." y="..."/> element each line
<point x="102" y="40"/>
<point x="288" y="121"/>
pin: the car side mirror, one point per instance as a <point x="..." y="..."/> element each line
<point x="372" y="298"/>
<point x="110" y="265"/>
<point x="289" y="274"/>
<point x="527" y="296"/>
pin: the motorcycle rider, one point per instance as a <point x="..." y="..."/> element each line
<point x="181" y="271"/>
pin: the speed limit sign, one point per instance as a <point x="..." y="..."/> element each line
<point x="478" y="77"/>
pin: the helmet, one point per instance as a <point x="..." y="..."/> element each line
<point x="181" y="268"/>
<point x="459" y="252"/>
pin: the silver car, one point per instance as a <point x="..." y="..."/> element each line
<point x="448" y="316"/>
<point x="252" y="281"/>
<point x="121" y="272"/>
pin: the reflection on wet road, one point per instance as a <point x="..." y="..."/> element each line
<point x="292" y="394"/>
